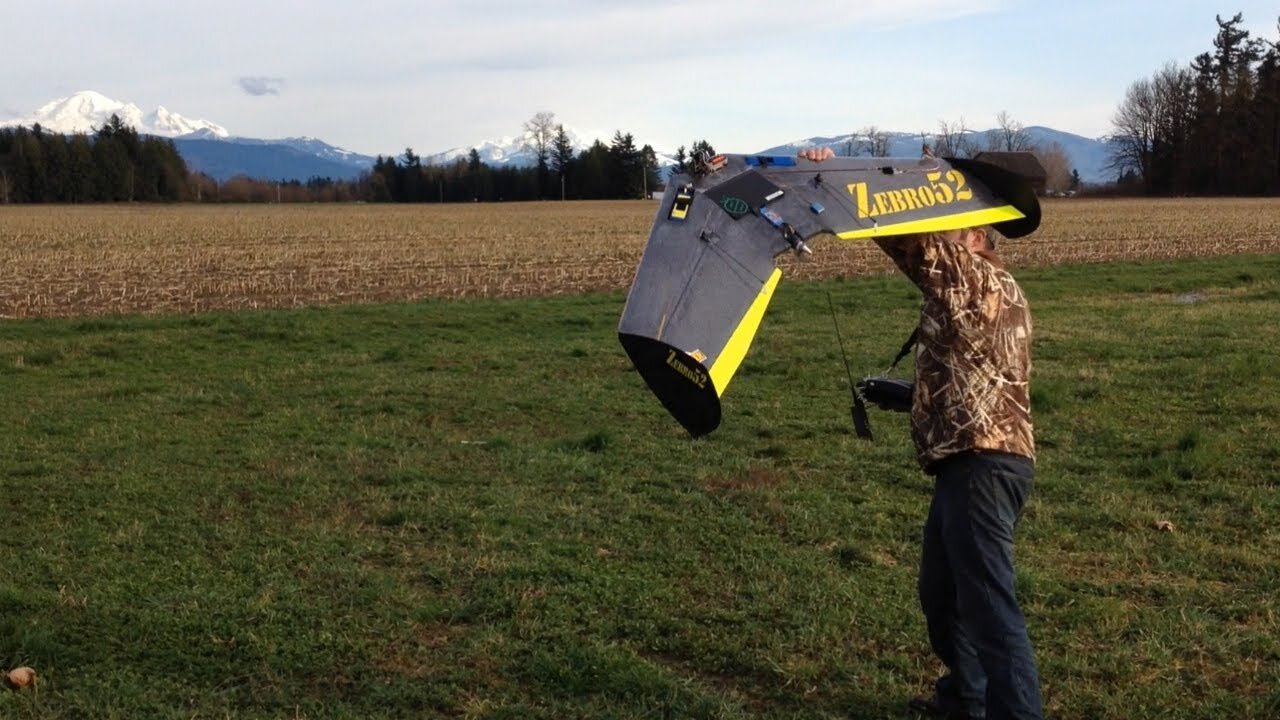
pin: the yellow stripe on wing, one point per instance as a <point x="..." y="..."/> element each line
<point x="736" y="349"/>
<point x="946" y="222"/>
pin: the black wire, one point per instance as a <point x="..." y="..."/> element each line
<point x="847" y="371"/>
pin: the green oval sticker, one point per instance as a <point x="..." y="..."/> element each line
<point x="735" y="206"/>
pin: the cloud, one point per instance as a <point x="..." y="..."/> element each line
<point x="258" y="86"/>
<point x="591" y="34"/>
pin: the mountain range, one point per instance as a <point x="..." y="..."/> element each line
<point x="205" y="146"/>
<point x="210" y="148"/>
<point x="1088" y="156"/>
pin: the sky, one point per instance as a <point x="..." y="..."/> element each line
<point x="379" y="76"/>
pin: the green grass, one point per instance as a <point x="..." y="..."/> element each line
<point x="476" y="509"/>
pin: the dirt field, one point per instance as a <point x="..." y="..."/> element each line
<point x="79" y="261"/>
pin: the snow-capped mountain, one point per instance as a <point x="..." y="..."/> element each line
<point x="223" y="159"/>
<point x="507" y="150"/>
<point x="514" y="151"/>
<point x="210" y="148"/>
<point x="1089" y="156"/>
<point x="206" y="146"/>
<point x="86" y="111"/>
<point x="324" y="150"/>
<point x="310" y="146"/>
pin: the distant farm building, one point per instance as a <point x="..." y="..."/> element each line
<point x="1023" y="163"/>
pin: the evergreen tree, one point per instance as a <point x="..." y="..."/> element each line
<point x="477" y="177"/>
<point x="562" y="158"/>
<point x="111" y="158"/>
<point x="593" y="171"/>
<point x="81" y="169"/>
<point x="57" y="170"/>
<point x="7" y="174"/>
<point x="682" y="161"/>
<point x="381" y="180"/>
<point x="625" y="169"/>
<point x="410" y="178"/>
<point x="1210" y="128"/>
<point x="32" y="171"/>
<point x="649" y="165"/>
<point x="702" y="148"/>
<point x="1267" y="115"/>
<point x="1234" y="55"/>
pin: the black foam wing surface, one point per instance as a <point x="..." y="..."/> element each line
<point x="708" y="270"/>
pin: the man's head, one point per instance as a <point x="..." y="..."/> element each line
<point x="979" y="239"/>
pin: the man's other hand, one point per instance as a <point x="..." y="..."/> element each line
<point x="817" y="154"/>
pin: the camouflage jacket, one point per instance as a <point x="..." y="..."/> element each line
<point x="973" y="357"/>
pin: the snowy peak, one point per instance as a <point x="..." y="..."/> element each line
<point x="506" y="150"/>
<point x="170" y="124"/>
<point x="82" y="112"/>
<point x="86" y="111"/>
<point x="515" y="151"/>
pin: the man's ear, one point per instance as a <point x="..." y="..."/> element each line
<point x="984" y="239"/>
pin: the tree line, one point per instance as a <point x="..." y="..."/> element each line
<point x="618" y="170"/>
<point x="117" y="164"/>
<point x="955" y="139"/>
<point x="1211" y="127"/>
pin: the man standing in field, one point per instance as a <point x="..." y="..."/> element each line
<point x="971" y="422"/>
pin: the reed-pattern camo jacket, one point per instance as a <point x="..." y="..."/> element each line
<point x="973" y="358"/>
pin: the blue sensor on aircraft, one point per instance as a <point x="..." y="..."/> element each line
<point x="770" y="160"/>
<point x="771" y="216"/>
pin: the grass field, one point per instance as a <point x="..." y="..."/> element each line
<point x="474" y="508"/>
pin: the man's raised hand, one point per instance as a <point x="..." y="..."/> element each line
<point x="817" y="154"/>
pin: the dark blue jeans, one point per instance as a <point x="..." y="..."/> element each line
<point x="966" y="587"/>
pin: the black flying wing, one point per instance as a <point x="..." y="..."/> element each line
<point x="708" y="272"/>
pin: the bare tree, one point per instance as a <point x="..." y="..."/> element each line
<point x="1135" y="130"/>
<point x="540" y="134"/>
<point x="953" y="140"/>
<point x="1010" y="135"/>
<point x="874" y="142"/>
<point x="1154" y="113"/>
<point x="539" y="138"/>
<point x="1057" y="167"/>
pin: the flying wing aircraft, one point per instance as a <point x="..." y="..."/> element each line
<point x="708" y="272"/>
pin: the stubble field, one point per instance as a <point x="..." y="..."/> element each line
<point x="95" y="260"/>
